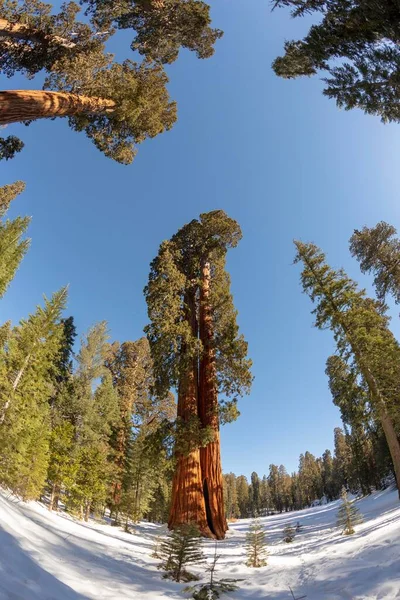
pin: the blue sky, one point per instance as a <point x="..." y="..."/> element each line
<point x="275" y="155"/>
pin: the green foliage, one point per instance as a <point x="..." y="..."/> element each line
<point x="357" y="44"/>
<point x="256" y="545"/>
<point x="289" y="533"/>
<point x="9" y="147"/>
<point x="378" y="251"/>
<point x="181" y="548"/>
<point x="215" y="587"/>
<point x="348" y="515"/>
<point x="12" y="246"/>
<point x="161" y="28"/>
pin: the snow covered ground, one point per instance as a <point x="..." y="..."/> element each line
<point x="50" y="556"/>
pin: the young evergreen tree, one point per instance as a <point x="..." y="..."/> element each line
<point x="289" y="533"/>
<point x="197" y="349"/>
<point x="357" y="44"/>
<point x="362" y="335"/>
<point x="256" y="547"/>
<point x="12" y="245"/>
<point x="215" y="587"/>
<point x="378" y="252"/>
<point x="181" y="548"/>
<point x="348" y="515"/>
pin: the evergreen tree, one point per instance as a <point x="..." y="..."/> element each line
<point x="232" y="510"/>
<point x="361" y="331"/>
<point x="255" y="499"/>
<point x="357" y="44"/>
<point x="215" y="587"/>
<point x="118" y="105"/>
<point x="9" y="147"/>
<point x="265" y="496"/>
<point x="181" y="548"/>
<point x="196" y="348"/>
<point x="27" y="361"/>
<point x="348" y="515"/>
<point x="289" y="533"/>
<point x="242" y="488"/>
<point x="12" y="246"/>
<point x="378" y="251"/>
<point x="256" y="545"/>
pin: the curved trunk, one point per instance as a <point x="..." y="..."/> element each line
<point x="210" y="456"/>
<point x="28" y="105"/>
<point x="187" y="503"/>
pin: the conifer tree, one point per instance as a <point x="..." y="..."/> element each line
<point x="117" y="104"/>
<point x="215" y="587"/>
<point x="348" y="515"/>
<point x="357" y="44"/>
<point x="242" y="488"/>
<point x="197" y="349"/>
<point x="256" y="547"/>
<point x="361" y="331"/>
<point x="289" y="533"/>
<point x="12" y="246"/>
<point x="27" y="360"/>
<point x="181" y="548"/>
<point x="378" y="252"/>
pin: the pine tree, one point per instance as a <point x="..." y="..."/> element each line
<point x="289" y="533"/>
<point x="360" y="327"/>
<point x="28" y="358"/>
<point x="242" y="488"/>
<point x="256" y="547"/>
<point x="378" y="251"/>
<point x="348" y="515"/>
<point x="215" y="587"/>
<point x="196" y="348"/>
<point x="357" y="44"/>
<point x="181" y="548"/>
<point x="12" y="246"/>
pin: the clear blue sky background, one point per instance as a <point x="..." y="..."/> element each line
<point x="275" y="155"/>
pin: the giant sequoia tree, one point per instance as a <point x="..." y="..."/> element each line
<point x="363" y="338"/>
<point x="117" y="105"/>
<point x="197" y="350"/>
<point x="356" y="43"/>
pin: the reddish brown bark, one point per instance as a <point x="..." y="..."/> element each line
<point x="19" y="31"/>
<point x="28" y="105"/>
<point x="187" y="504"/>
<point x="210" y="456"/>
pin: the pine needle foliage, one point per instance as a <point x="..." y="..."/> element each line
<point x="348" y="515"/>
<point x="256" y="545"/>
<point x="181" y="548"/>
<point x="289" y="533"/>
<point x="215" y="587"/>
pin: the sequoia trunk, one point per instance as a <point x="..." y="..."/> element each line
<point x="28" y="105"/>
<point x="187" y="503"/>
<point x="210" y="455"/>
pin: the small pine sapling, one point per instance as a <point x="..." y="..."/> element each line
<point x="289" y="533"/>
<point x="256" y="545"/>
<point x="214" y="588"/>
<point x="348" y="515"/>
<point x="180" y="548"/>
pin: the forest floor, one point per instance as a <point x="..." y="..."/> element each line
<point x="51" y="556"/>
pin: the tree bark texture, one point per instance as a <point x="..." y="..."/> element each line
<point x="19" y="31"/>
<point x="210" y="455"/>
<point x="29" y="105"/>
<point x="187" y="502"/>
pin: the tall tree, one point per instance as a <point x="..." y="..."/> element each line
<point x="378" y="251"/>
<point x="197" y="349"/>
<point x="361" y="331"/>
<point x="357" y="44"/>
<point x="117" y="105"/>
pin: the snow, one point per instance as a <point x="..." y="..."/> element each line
<point x="51" y="556"/>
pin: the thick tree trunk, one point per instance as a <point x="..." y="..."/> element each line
<point x="393" y="444"/>
<point x="55" y="494"/>
<point x="19" y="31"/>
<point x="28" y="105"/>
<point x="187" y="503"/>
<point x="210" y="456"/>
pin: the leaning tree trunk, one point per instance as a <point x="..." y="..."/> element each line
<point x="27" y="105"/>
<point x="187" y="502"/>
<point x="210" y="455"/>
